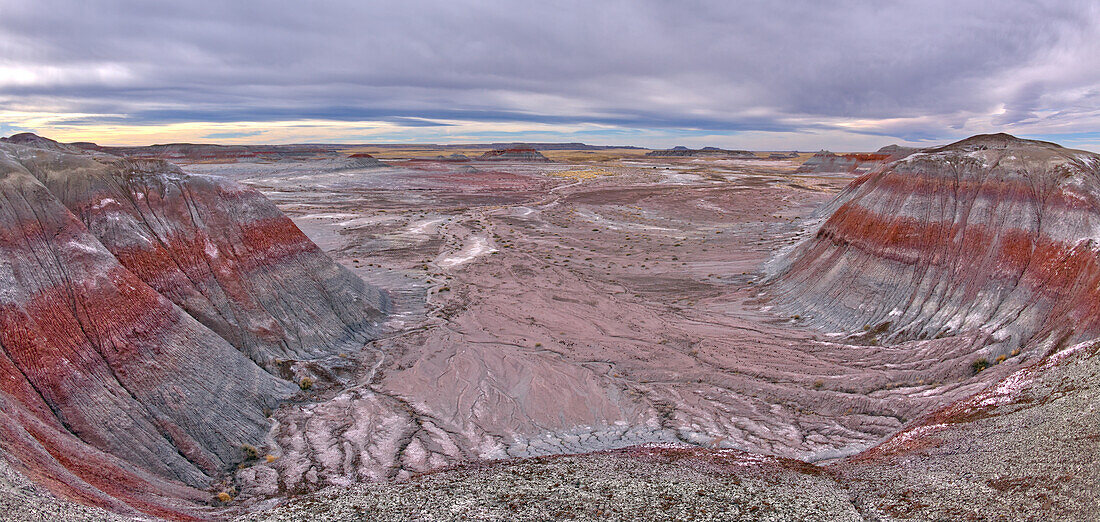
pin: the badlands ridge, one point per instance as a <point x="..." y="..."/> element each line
<point x="332" y="332"/>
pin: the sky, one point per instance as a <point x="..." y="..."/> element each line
<point x="760" y="75"/>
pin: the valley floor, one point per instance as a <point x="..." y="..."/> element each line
<point x="576" y="307"/>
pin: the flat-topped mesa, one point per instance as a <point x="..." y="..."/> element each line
<point x="452" y="157"/>
<point x="139" y="310"/>
<point x="993" y="236"/>
<point x="514" y="154"/>
<point x="202" y="153"/>
<point x="681" y="151"/>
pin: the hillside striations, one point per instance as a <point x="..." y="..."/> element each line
<point x="139" y="309"/>
<point x="825" y="162"/>
<point x="151" y="319"/>
<point x="992" y="236"/>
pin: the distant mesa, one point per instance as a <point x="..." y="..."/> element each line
<point x="440" y="158"/>
<point x="456" y="157"/>
<point x="896" y="150"/>
<point x="782" y="155"/>
<point x="207" y="153"/>
<point x="681" y="151"/>
<point x="990" y="239"/>
<point x="183" y="153"/>
<point x="550" y="146"/>
<point x="525" y="154"/>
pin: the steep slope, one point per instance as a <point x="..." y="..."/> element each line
<point x="219" y="250"/>
<point x="86" y="341"/>
<point x="135" y="304"/>
<point x="992" y="236"/>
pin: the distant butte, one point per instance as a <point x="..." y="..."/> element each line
<point x="525" y="154"/>
<point x="705" y="151"/>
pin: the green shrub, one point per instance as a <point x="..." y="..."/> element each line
<point x="978" y="365"/>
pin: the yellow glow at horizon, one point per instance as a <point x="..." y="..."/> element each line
<point x="56" y="126"/>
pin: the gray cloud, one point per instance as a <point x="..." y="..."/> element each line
<point x="726" y="66"/>
<point x="225" y="135"/>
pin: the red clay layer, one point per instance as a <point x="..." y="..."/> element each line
<point x="1058" y="270"/>
<point x="113" y="395"/>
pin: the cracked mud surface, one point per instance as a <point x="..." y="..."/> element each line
<point x="544" y="309"/>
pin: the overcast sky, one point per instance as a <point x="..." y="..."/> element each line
<point x="762" y="75"/>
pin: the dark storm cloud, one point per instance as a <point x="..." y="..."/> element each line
<point x="717" y="65"/>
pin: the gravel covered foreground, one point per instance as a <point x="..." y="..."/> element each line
<point x="21" y="499"/>
<point x="648" y="483"/>
<point x="1025" y="449"/>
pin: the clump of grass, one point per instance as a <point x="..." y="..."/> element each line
<point x="305" y="384"/>
<point x="269" y="458"/>
<point x="250" y="451"/>
<point x="1001" y="358"/>
<point x="224" y="497"/>
<point x="979" y="364"/>
<point x="818" y="384"/>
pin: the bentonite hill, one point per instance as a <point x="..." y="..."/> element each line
<point x="336" y="332"/>
<point x="151" y="320"/>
